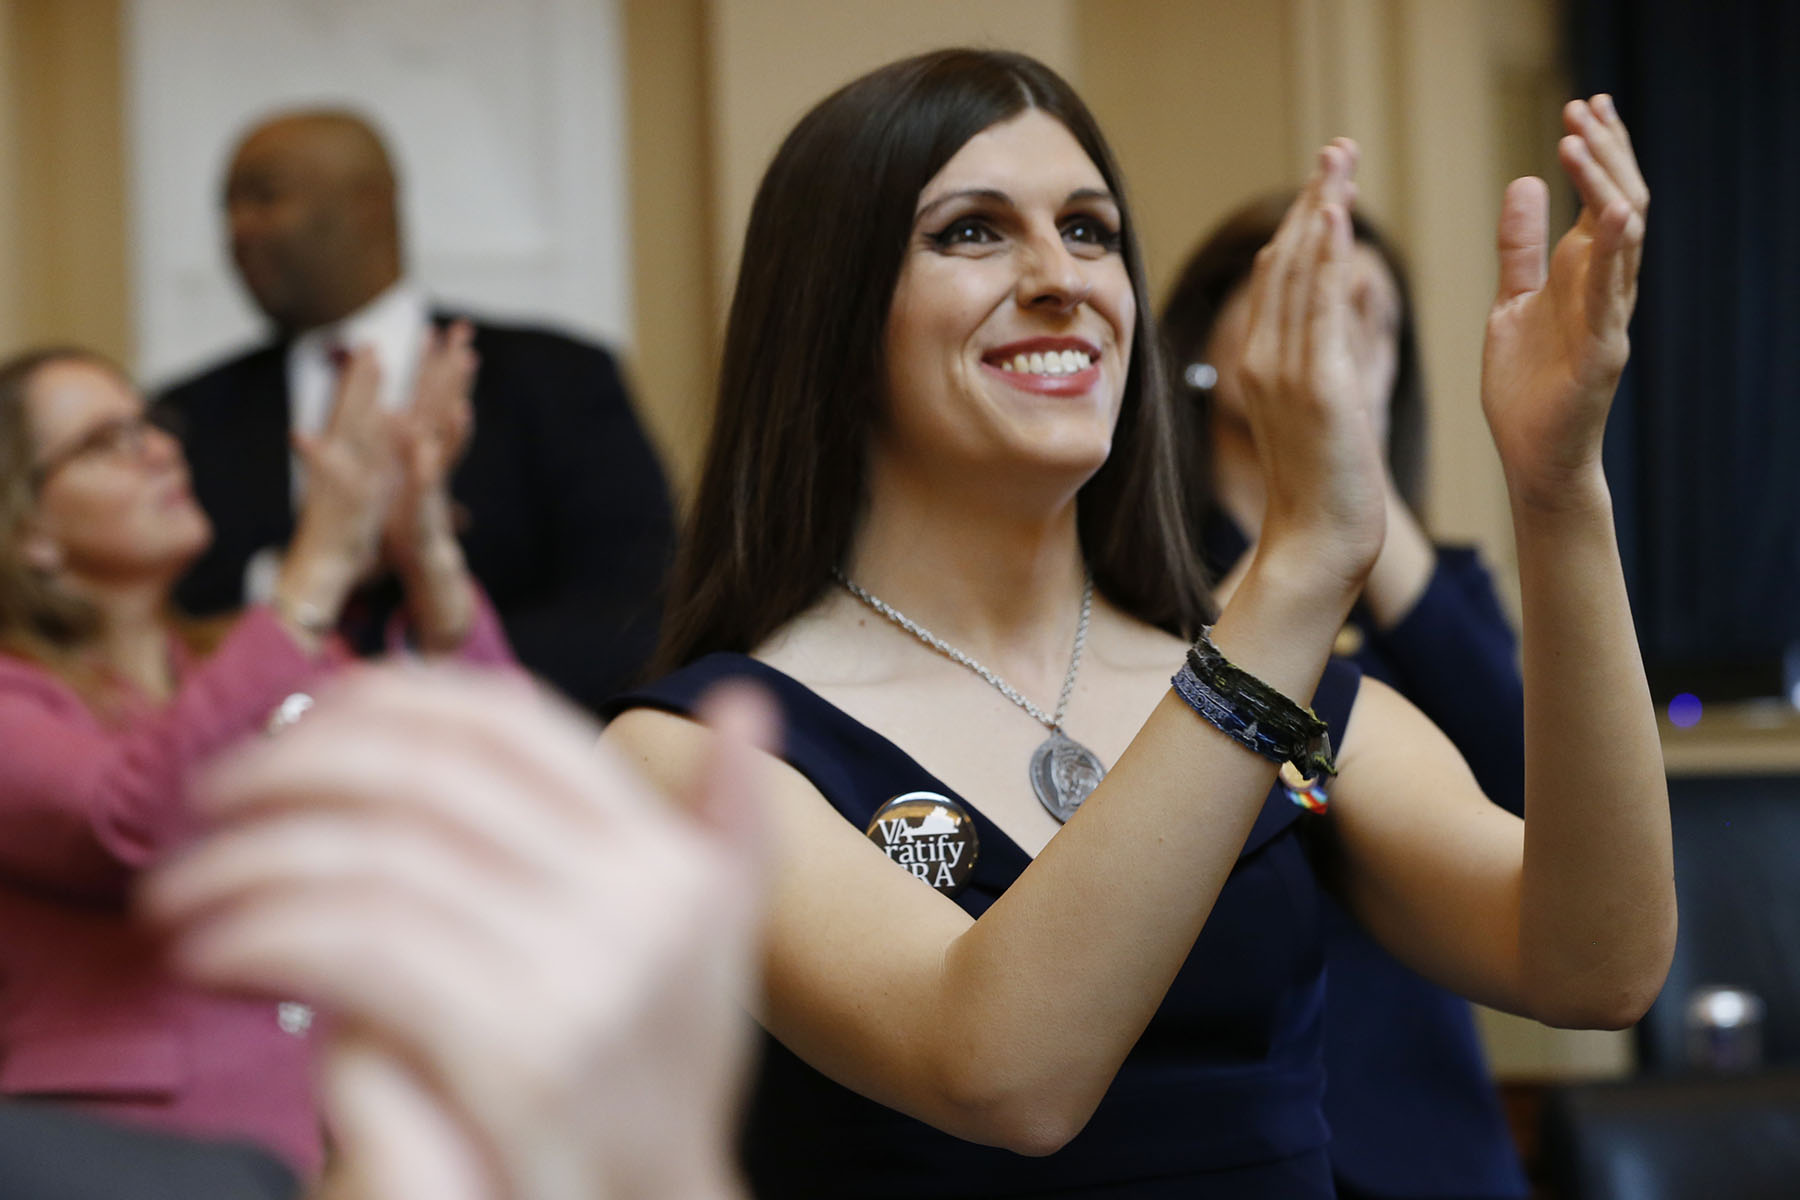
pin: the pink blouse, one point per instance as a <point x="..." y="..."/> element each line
<point x="88" y="1014"/>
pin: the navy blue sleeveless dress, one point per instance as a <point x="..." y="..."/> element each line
<point x="1219" y="1100"/>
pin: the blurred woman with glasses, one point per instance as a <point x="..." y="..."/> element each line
<point x="109" y="700"/>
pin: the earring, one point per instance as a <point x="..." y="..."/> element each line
<point x="1200" y="376"/>
<point x="43" y="555"/>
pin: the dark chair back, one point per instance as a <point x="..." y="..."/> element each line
<point x="48" y="1153"/>
<point x="1737" y="876"/>
<point x="1690" y="1137"/>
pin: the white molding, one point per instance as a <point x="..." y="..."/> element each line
<point x="507" y="122"/>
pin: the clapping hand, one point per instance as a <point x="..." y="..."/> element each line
<point x="352" y="474"/>
<point x="1556" y="337"/>
<point x="419" y="540"/>
<point x="351" y="469"/>
<point x="431" y="435"/>
<point x="1321" y="464"/>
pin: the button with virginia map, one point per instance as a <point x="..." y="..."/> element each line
<point x="930" y="835"/>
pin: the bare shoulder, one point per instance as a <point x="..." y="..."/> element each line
<point x="674" y="752"/>
<point x="666" y="748"/>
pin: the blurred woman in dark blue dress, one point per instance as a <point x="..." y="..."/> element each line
<point x="1412" y="1110"/>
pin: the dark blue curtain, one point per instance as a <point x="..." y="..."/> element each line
<point x="1704" y="451"/>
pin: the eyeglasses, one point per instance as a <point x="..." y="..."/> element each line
<point x="121" y="438"/>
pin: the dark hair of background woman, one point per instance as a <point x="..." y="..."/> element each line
<point x="803" y="379"/>
<point x="1223" y="263"/>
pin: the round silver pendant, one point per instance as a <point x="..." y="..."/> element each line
<point x="1063" y="773"/>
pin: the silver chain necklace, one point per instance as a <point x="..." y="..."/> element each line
<point x="1063" y="772"/>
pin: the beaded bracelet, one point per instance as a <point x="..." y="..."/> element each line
<point x="1252" y="713"/>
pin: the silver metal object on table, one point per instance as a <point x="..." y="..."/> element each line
<point x="1724" y="1029"/>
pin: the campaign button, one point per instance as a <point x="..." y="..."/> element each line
<point x="931" y="836"/>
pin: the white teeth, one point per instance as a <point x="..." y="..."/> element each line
<point x="1054" y="362"/>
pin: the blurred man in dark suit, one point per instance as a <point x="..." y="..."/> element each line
<point x="564" y="511"/>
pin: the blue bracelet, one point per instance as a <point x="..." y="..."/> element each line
<point x="1252" y="713"/>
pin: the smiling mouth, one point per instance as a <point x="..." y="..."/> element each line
<point x="1052" y="365"/>
<point x="1046" y="357"/>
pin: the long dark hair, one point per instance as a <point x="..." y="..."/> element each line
<point x="1222" y="263"/>
<point x="801" y="383"/>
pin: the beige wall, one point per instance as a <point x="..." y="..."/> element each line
<point x="673" y="258"/>
<point x="63" y="274"/>
<point x="1187" y="94"/>
<point x="12" y="317"/>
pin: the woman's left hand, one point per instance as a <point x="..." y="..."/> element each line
<point x="419" y="542"/>
<point x="1556" y="336"/>
<point x="433" y="433"/>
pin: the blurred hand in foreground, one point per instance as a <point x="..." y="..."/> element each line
<point x="533" y="963"/>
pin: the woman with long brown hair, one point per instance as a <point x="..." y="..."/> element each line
<point x="1042" y="923"/>
<point x="109" y="702"/>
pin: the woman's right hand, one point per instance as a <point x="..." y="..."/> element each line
<point x="1321" y="462"/>
<point x="351" y="472"/>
